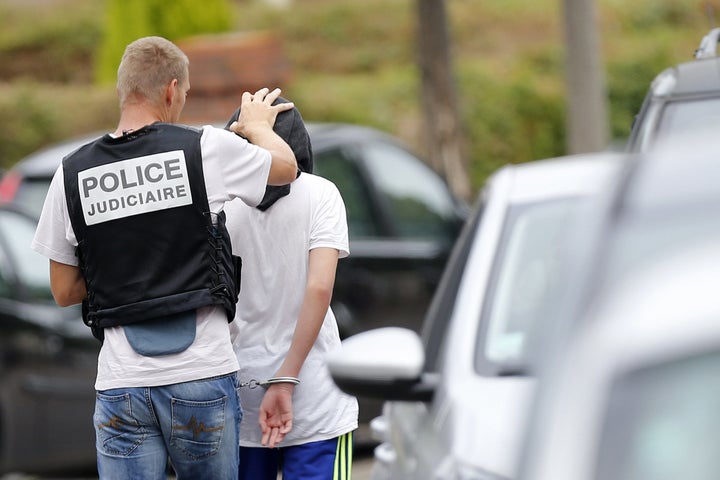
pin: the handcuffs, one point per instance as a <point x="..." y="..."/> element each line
<point x="270" y="381"/>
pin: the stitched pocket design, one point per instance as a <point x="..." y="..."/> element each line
<point x="197" y="427"/>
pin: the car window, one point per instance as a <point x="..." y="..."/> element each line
<point x="419" y="201"/>
<point x="27" y="266"/>
<point x="688" y="115"/>
<point x="663" y="422"/>
<point x="523" y="281"/>
<point x="31" y="194"/>
<point x="343" y="172"/>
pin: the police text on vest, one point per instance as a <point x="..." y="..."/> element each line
<point x="134" y="186"/>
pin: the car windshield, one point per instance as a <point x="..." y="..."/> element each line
<point x="523" y="280"/>
<point x="686" y="115"/>
<point x="19" y="262"/>
<point x="663" y="422"/>
<point x="31" y="194"/>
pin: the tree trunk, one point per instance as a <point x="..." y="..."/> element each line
<point x="442" y="123"/>
<point x="587" y="116"/>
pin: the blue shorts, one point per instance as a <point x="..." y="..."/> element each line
<point x="323" y="460"/>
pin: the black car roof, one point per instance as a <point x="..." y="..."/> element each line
<point x="44" y="162"/>
<point x="324" y="135"/>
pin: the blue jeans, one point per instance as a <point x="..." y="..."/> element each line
<point x="195" y="424"/>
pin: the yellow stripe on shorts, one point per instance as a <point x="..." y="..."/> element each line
<point x="343" y="458"/>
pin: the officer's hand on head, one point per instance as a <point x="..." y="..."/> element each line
<point x="258" y="112"/>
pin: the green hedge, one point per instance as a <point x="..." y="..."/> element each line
<point x="351" y="64"/>
<point x="127" y="20"/>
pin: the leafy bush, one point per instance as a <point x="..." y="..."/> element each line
<point x="34" y="115"/>
<point x="30" y="123"/>
<point x="42" y="45"/>
<point x="127" y="20"/>
<point x="353" y="62"/>
<point x="509" y="123"/>
<point x="628" y="83"/>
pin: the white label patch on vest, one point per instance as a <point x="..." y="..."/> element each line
<point x="135" y="186"/>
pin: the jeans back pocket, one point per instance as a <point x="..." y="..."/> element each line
<point x="197" y="426"/>
<point x="117" y="430"/>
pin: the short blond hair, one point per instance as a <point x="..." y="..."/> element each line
<point x="148" y="65"/>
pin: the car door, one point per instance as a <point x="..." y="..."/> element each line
<point x="47" y="363"/>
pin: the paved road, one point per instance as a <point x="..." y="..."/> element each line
<point x="361" y="466"/>
<point x="362" y="463"/>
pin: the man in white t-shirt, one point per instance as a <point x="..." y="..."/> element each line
<point x="283" y="328"/>
<point x="133" y="225"/>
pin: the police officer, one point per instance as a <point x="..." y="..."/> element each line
<point x="133" y="225"/>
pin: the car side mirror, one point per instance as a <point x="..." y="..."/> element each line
<point x="385" y="363"/>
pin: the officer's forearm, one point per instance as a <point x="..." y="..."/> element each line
<point x="67" y="284"/>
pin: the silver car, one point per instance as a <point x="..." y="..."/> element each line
<point x="633" y="389"/>
<point x="459" y="395"/>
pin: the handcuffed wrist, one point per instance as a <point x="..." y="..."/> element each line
<point x="274" y="380"/>
<point x="270" y="381"/>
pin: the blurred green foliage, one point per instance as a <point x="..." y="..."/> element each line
<point x="352" y="61"/>
<point x="42" y="45"/>
<point x="33" y="115"/>
<point x="16" y="113"/>
<point x="509" y="122"/>
<point x="127" y="20"/>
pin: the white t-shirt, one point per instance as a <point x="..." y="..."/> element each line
<point x="232" y="168"/>
<point x="274" y="246"/>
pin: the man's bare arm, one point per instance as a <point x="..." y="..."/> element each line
<point x="276" y="413"/>
<point x="322" y="265"/>
<point x="67" y="284"/>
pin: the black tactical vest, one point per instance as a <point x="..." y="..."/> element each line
<point x="147" y="244"/>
